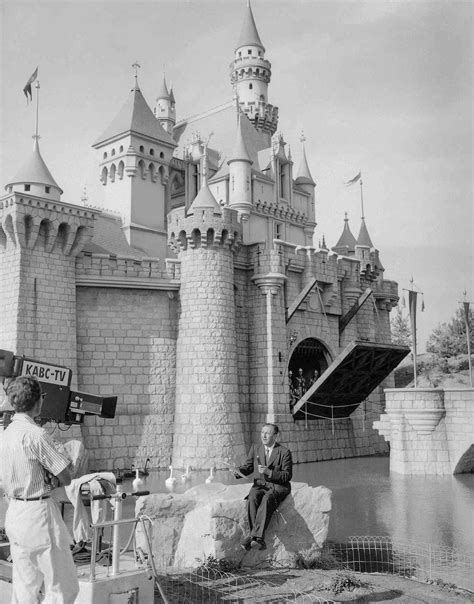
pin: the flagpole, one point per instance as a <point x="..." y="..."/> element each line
<point x="361" y="198"/>
<point x="412" y="302"/>
<point x="37" y="108"/>
<point x="467" y="317"/>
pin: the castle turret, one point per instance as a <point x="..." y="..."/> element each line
<point x="34" y="177"/>
<point x="347" y="241"/>
<point x="135" y="153"/>
<point x="165" y="108"/>
<point x="207" y="417"/>
<point x="250" y="76"/>
<point x="240" y="177"/>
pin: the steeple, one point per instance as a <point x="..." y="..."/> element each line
<point x="204" y="200"/>
<point x="249" y="34"/>
<point x="250" y="76"/>
<point x="347" y="241"/>
<point x="34" y="177"/>
<point x="364" y="237"/>
<point x="240" y="152"/>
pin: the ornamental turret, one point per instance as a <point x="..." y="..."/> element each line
<point x="240" y="176"/>
<point x="165" y="108"/>
<point x="347" y="242"/>
<point x="34" y="178"/>
<point x="250" y="76"/>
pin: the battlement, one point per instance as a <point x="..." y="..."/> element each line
<point x="280" y="210"/>
<point x="250" y="67"/>
<point x="66" y="227"/>
<point x="204" y="228"/>
<point x="262" y="115"/>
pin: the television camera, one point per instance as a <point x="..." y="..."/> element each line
<point x="60" y="403"/>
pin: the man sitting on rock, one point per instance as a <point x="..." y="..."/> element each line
<point x="271" y="466"/>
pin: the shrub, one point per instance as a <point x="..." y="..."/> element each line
<point x="313" y="557"/>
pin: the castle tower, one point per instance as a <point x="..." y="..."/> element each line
<point x="305" y="181"/>
<point x="250" y="76"/>
<point x="207" y="417"/>
<point x="40" y="237"/>
<point x="135" y="152"/>
<point x="240" y="177"/>
<point x="165" y="108"/>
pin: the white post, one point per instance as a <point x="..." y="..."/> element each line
<point x="116" y="533"/>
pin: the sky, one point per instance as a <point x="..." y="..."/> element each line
<point x="385" y="87"/>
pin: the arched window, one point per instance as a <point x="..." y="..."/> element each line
<point x="152" y="152"/>
<point x="142" y="149"/>
<point x="151" y="169"/>
<point x="104" y="176"/>
<point x="250" y="86"/>
<point x="162" y="155"/>
<point x="105" y="155"/>
<point x="142" y="167"/>
<point x="113" y="152"/>
<point x="120" y="170"/>
<point x="112" y="173"/>
<point x="121" y="149"/>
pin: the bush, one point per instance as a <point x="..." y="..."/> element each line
<point x="314" y="558"/>
<point x="344" y="582"/>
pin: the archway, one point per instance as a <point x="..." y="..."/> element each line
<point x="307" y="362"/>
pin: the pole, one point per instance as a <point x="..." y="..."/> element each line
<point x="361" y="199"/>
<point x="468" y="334"/>
<point x="116" y="533"/>
<point x="37" y="107"/>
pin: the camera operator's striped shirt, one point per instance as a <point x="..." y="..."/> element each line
<point x="26" y="452"/>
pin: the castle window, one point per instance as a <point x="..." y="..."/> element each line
<point x="121" y="149"/>
<point x="113" y="152"/>
<point x="250" y="86"/>
<point x="10" y="189"/>
<point x="259" y="53"/>
<point x="249" y="52"/>
<point x="162" y="155"/>
<point x="105" y="155"/>
<point x="152" y="152"/>
<point x="277" y="230"/>
<point x="240" y="53"/>
<point x="47" y="189"/>
<point x="120" y="170"/>
<point x="142" y="149"/>
<point x="27" y="187"/>
<point x="112" y="173"/>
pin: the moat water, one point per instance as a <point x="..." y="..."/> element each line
<point x="368" y="500"/>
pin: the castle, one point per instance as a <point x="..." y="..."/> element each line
<point x="196" y="294"/>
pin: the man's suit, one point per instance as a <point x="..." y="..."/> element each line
<point x="267" y="492"/>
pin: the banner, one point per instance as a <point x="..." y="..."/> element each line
<point x="412" y="296"/>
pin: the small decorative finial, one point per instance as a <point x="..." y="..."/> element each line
<point x="136" y="66"/>
<point x="302" y="137"/>
<point x="345" y="216"/>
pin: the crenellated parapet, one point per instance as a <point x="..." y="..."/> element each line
<point x="204" y="228"/>
<point x="66" y="228"/>
<point x="370" y="265"/>
<point x="115" y="270"/>
<point x="386" y="294"/>
<point x="282" y="211"/>
<point x="263" y="115"/>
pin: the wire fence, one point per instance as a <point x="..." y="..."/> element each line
<point x="422" y="561"/>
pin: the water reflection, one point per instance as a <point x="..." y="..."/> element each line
<point x="367" y="500"/>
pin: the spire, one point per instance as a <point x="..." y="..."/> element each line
<point x="240" y="152"/>
<point x="137" y="117"/>
<point x="163" y="92"/>
<point x="347" y="241"/>
<point x="204" y="200"/>
<point x="364" y="237"/>
<point x="249" y="34"/>
<point x="172" y="99"/>
<point x="35" y="171"/>
<point x="304" y="175"/>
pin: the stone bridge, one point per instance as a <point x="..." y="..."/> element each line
<point x="430" y="430"/>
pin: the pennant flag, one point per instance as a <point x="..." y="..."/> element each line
<point x="467" y="314"/>
<point x="27" y="89"/>
<point x="353" y="180"/>
<point x="412" y="295"/>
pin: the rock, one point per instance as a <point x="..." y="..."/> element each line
<point x="211" y="520"/>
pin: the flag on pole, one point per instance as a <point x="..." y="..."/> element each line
<point x="467" y="314"/>
<point x="353" y="180"/>
<point x="412" y="296"/>
<point x="27" y="89"/>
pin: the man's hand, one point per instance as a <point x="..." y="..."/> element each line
<point x="264" y="470"/>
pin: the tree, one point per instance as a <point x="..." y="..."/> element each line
<point x="401" y="330"/>
<point x="449" y="339"/>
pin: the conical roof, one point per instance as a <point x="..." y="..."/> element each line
<point x="347" y="241"/>
<point x="204" y="200"/>
<point x="163" y="92"/>
<point x="172" y="99"/>
<point x="137" y="117"/>
<point x="364" y="237"/>
<point x="35" y="171"/>
<point x="249" y="34"/>
<point x="239" y="152"/>
<point x="304" y="175"/>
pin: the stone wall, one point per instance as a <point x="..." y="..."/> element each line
<point x="126" y="342"/>
<point x="430" y="430"/>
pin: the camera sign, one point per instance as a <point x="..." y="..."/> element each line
<point x="49" y="374"/>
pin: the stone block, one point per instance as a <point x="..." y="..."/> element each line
<point x="211" y="519"/>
